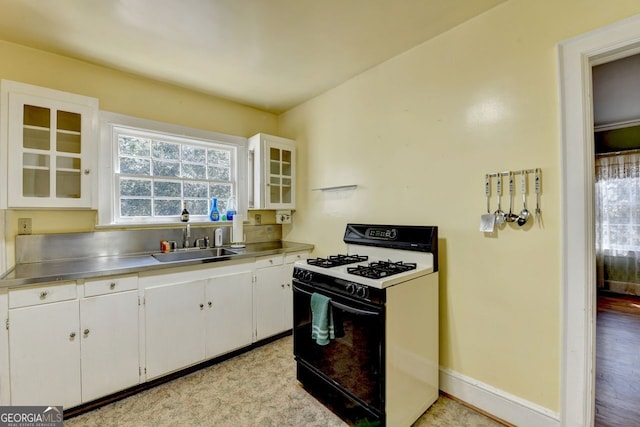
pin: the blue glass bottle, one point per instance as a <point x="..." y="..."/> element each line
<point x="214" y="214"/>
<point x="231" y="209"/>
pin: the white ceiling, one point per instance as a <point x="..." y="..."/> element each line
<point x="269" y="54"/>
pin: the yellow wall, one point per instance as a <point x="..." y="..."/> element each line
<point x="417" y="135"/>
<point x="121" y="93"/>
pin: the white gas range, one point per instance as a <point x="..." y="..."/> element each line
<point x="382" y="366"/>
<point x="372" y="266"/>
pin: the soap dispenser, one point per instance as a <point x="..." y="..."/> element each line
<point x="217" y="237"/>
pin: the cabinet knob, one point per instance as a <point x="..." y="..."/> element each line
<point x="87" y="171"/>
<point x="282" y="286"/>
<point x="201" y="306"/>
<point x="43" y="294"/>
<point x="72" y="335"/>
<point x="86" y="332"/>
<point x="112" y="285"/>
<point x="209" y="303"/>
<point x="270" y="261"/>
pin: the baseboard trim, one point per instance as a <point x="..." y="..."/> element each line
<point x="496" y="402"/>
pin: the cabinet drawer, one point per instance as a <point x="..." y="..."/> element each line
<point x="296" y="256"/>
<point x="269" y="261"/>
<point x="110" y="285"/>
<point x="51" y="292"/>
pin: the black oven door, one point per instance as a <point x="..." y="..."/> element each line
<point x="353" y="362"/>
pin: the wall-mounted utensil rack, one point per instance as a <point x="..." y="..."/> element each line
<point x="489" y="220"/>
<point x="520" y="172"/>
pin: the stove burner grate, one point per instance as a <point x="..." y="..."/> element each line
<point x="336" y="260"/>
<point x="380" y="269"/>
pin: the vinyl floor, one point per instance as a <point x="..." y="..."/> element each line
<point x="257" y="388"/>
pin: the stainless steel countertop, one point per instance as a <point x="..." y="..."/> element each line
<point x="52" y="271"/>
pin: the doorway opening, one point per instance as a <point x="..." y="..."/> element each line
<point x="616" y="117"/>
<point x="577" y="57"/>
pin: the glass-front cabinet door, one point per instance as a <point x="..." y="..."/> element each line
<point x="280" y="175"/>
<point x="51" y="152"/>
<point x="272" y="168"/>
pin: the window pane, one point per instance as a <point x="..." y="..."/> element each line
<point x="166" y="150"/>
<point x="132" y="146"/>
<point x="167" y="189"/>
<point x="135" y="166"/>
<point x="167" y="207"/>
<point x="196" y="189"/>
<point x="198" y="207"/>
<point x="135" y="187"/>
<point x="161" y="168"/>
<point x="218" y="157"/>
<point x="194" y="154"/>
<point x="135" y="207"/>
<point x="222" y="192"/>
<point x="194" y="171"/>
<point x="218" y="173"/>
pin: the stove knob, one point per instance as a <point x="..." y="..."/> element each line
<point x="351" y="288"/>
<point x="306" y="276"/>
<point x="362" y="292"/>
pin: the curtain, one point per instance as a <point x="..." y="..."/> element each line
<point x="617" y="206"/>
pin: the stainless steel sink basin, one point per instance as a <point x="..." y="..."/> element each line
<point x="215" y="254"/>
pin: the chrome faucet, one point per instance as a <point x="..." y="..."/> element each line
<point x="202" y="243"/>
<point x="185" y="236"/>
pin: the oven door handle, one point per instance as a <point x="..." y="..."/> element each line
<point x="354" y="310"/>
<point x="346" y="308"/>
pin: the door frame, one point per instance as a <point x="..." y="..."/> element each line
<point x="576" y="58"/>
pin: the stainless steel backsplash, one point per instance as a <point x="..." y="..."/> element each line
<point x="52" y="247"/>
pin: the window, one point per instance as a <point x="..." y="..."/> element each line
<point x="156" y="171"/>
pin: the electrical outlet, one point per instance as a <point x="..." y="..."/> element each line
<point x="258" y="219"/>
<point x="24" y="225"/>
<point x="283" y="217"/>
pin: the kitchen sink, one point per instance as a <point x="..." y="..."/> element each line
<point x="214" y="254"/>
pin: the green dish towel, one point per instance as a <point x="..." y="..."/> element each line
<point x="321" y="319"/>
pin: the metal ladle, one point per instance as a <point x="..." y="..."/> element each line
<point x="524" y="213"/>
<point x="499" y="213"/>
<point x="511" y="217"/>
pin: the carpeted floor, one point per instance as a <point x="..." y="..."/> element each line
<point x="257" y="388"/>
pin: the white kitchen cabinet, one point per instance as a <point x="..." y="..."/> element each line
<point x="229" y="307"/>
<point x="173" y="320"/>
<point x="207" y="314"/>
<point x="44" y="354"/>
<point x="287" y="273"/>
<point x="269" y="294"/>
<point x="109" y="343"/>
<point x="66" y="351"/>
<point x="50" y="147"/>
<point x="272" y="163"/>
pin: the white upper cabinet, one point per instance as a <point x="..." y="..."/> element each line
<point x="49" y="146"/>
<point x="272" y="161"/>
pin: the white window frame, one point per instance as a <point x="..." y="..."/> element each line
<point x="108" y="196"/>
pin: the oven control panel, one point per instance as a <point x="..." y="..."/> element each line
<point x="382" y="233"/>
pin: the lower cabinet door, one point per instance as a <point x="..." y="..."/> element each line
<point x="174" y="327"/>
<point x="270" y="294"/>
<point x="229" y="320"/>
<point x="110" y="346"/>
<point x="44" y="355"/>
